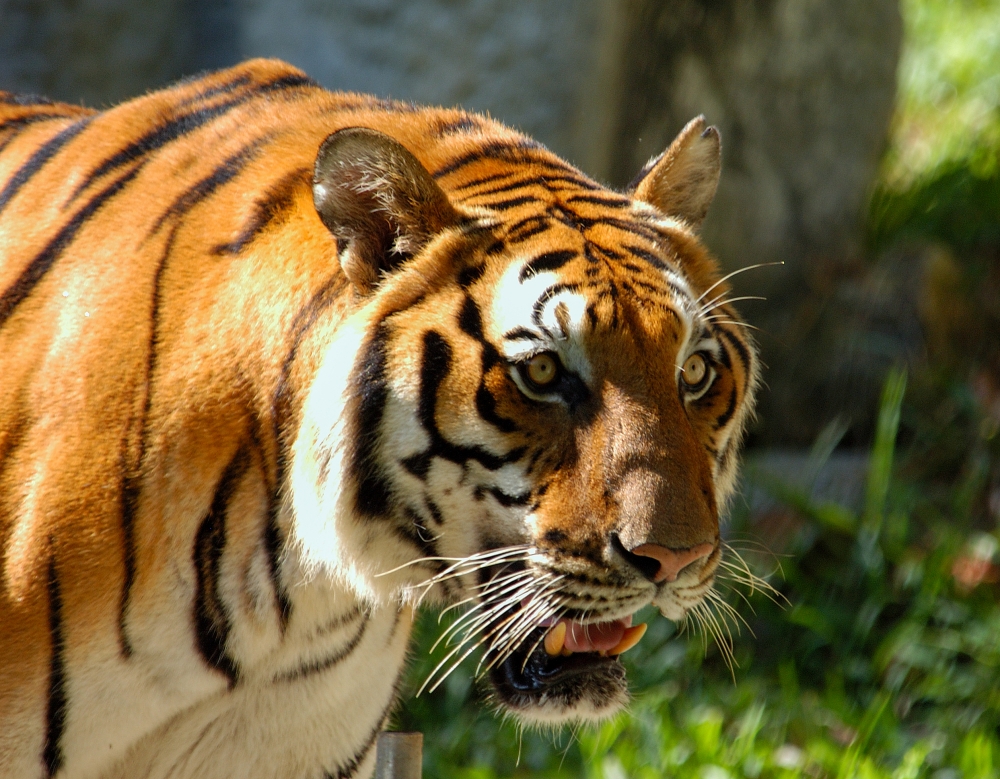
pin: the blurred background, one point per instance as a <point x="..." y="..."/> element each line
<point x="861" y="149"/>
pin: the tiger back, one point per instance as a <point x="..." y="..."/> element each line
<point x="279" y="363"/>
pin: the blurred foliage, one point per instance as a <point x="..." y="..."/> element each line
<point x="880" y="657"/>
<point x="948" y="105"/>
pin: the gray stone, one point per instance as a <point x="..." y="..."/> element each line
<point x="802" y="91"/>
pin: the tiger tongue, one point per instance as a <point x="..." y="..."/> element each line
<point x="595" y="637"/>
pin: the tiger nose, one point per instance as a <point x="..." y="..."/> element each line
<point x="671" y="561"/>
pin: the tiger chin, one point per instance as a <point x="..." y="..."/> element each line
<point x="281" y="364"/>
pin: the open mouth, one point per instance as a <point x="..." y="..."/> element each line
<point x="565" y="662"/>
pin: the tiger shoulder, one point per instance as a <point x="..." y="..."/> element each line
<point x="279" y="363"/>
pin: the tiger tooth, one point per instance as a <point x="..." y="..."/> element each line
<point x="630" y="639"/>
<point x="555" y="639"/>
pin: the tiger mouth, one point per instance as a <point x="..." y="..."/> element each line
<point x="566" y="663"/>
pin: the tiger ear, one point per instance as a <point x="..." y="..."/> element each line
<point x="681" y="182"/>
<point x="379" y="202"/>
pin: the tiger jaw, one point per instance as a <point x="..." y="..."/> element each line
<point x="549" y="657"/>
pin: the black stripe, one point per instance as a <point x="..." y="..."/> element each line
<point x="458" y="126"/>
<point x="275" y="544"/>
<point x="471" y="323"/>
<point x="469" y="275"/>
<point x="608" y="201"/>
<point x="131" y="483"/>
<point x="418" y="464"/>
<point x="43" y="262"/>
<point x="516" y="151"/>
<point x="544" y="262"/>
<point x="339" y="621"/>
<point x="723" y="419"/>
<point x="207" y="94"/>
<point x="470" y="320"/>
<point x="55" y="715"/>
<point x="269" y="211"/>
<point x="18" y="123"/>
<point x="570" y="218"/>
<point x="435" y="512"/>
<point x="290" y="81"/>
<point x="43" y="154"/>
<point x="649" y="257"/>
<point x="545" y="297"/>
<point x="519" y="183"/>
<point x="435" y="367"/>
<point x="296" y="80"/>
<point x="526" y="228"/>
<point x="514" y="202"/>
<point x="177" y="128"/>
<point x="372" y="390"/>
<point x="211" y="618"/>
<point x="521" y="334"/>
<point x="573" y="177"/>
<point x="13" y="127"/>
<point x="318" y="666"/>
<point x="476" y="182"/>
<point x="738" y="346"/>
<point x="506" y="500"/>
<point x="130" y="508"/>
<point x="229" y="169"/>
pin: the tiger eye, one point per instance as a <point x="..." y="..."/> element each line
<point x="695" y="369"/>
<point x="542" y="369"/>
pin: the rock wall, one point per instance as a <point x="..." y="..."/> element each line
<point x="802" y="91"/>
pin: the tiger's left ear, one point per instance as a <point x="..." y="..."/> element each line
<point x="378" y="200"/>
<point x="681" y="182"/>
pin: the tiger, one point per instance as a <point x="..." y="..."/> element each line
<point x="281" y="364"/>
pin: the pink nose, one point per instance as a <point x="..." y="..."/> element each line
<point x="672" y="562"/>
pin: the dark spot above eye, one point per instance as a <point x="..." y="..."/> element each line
<point x="554" y="536"/>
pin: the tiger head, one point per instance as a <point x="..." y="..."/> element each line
<point x="532" y="405"/>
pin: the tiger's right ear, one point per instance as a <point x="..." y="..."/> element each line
<point x="379" y="202"/>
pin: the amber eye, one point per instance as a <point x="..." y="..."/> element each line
<point x="541" y="370"/>
<point x="695" y="371"/>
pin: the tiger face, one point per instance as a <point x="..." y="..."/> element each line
<point x="534" y="407"/>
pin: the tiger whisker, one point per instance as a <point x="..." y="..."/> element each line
<point x="518" y="585"/>
<point x="481" y="619"/>
<point x="544" y="611"/>
<point x="468" y="566"/>
<point x="735" y="273"/>
<point x="721" y="300"/>
<point x="733" y="322"/>
<point x="456" y="560"/>
<point x="515" y="598"/>
<point x="741" y="572"/>
<point x="489" y="587"/>
<point x="720" y="632"/>
<point x="470" y="618"/>
<point x="727" y="608"/>
<point x="456" y="663"/>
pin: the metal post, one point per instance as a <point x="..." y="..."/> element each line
<point x="398" y="755"/>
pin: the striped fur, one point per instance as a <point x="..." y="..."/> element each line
<point x="235" y="442"/>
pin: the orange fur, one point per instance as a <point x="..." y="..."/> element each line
<point x="168" y="296"/>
